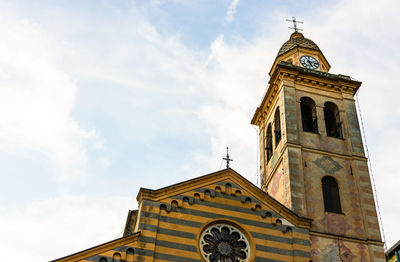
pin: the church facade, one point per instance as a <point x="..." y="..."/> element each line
<point x="315" y="202"/>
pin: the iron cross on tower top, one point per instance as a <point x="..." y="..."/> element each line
<point x="295" y="22"/>
<point x="227" y="159"/>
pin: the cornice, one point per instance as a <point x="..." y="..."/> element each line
<point x="324" y="152"/>
<point x="315" y="78"/>
<point x="347" y="238"/>
<point x="338" y="82"/>
<point x="266" y="103"/>
<point x="312" y="150"/>
<point x="150" y="194"/>
<point x="300" y="75"/>
<point x="225" y="175"/>
<point x="99" y="248"/>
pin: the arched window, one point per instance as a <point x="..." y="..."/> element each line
<point x="332" y="120"/>
<point x="277" y="131"/>
<point x="308" y="115"/>
<point x="130" y="253"/>
<point x="268" y="144"/>
<point x="103" y="259"/>
<point x="116" y="257"/>
<point x="330" y="191"/>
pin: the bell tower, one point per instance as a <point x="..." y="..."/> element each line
<point x="311" y="153"/>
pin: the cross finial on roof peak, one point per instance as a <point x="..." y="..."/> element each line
<point x="295" y="22"/>
<point x="227" y="159"/>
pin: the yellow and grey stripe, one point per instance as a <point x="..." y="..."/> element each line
<point x="172" y="235"/>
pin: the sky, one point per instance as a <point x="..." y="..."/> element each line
<point x="100" y="98"/>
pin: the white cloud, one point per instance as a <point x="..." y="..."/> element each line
<point x="233" y="79"/>
<point x="37" y="99"/>
<point x="230" y="13"/>
<point x="53" y="228"/>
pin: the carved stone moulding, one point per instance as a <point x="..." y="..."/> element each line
<point x="222" y="242"/>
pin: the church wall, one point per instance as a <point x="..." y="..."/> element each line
<point x="291" y="126"/>
<point x="273" y="163"/>
<point x="341" y="250"/>
<point x="170" y="228"/>
<point x="286" y="185"/>
<point x="283" y="172"/>
<point x="261" y="149"/>
<point x="289" y="173"/>
<point x="117" y="254"/>
<point x="270" y="120"/>
<point x="279" y="186"/>
<point x="267" y="168"/>
<point x="297" y="191"/>
<point x="350" y="223"/>
<point x="364" y="186"/>
<point x="294" y="175"/>
<point x="321" y="141"/>
<point x="354" y="127"/>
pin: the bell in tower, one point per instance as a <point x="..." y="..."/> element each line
<point x="311" y="153"/>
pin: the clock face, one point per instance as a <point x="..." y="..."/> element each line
<point x="309" y="62"/>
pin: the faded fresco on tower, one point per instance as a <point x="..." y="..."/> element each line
<point x="279" y="186"/>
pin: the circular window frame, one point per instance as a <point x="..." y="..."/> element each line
<point x="232" y="225"/>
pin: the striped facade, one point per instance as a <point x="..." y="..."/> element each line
<point x="170" y="220"/>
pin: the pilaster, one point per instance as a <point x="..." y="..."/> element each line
<point x="353" y="127"/>
<point x="290" y="117"/>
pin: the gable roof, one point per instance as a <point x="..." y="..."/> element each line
<point x="225" y="174"/>
<point x="99" y="248"/>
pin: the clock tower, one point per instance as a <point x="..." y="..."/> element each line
<point x="311" y="153"/>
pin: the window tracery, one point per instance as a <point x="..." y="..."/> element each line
<point x="224" y="243"/>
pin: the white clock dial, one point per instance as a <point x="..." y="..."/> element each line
<point x="309" y="62"/>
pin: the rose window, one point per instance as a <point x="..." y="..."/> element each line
<point x="224" y="243"/>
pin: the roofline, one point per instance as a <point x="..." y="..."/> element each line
<point x="309" y="220"/>
<point x="307" y="48"/>
<point x="393" y="248"/>
<point x="312" y="72"/>
<point x="85" y="250"/>
<point x="181" y="183"/>
<point x="129" y="219"/>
